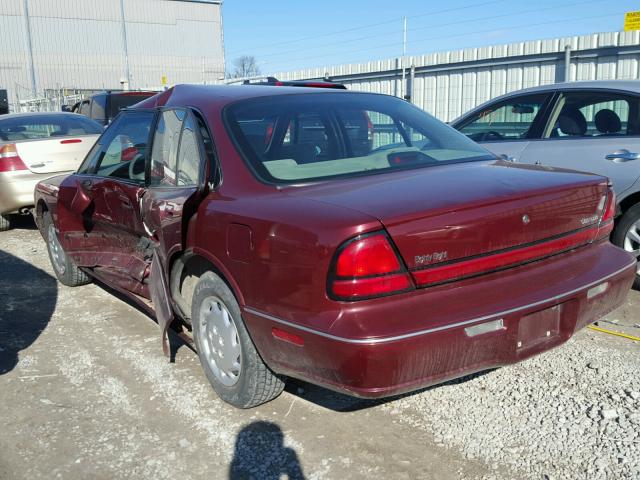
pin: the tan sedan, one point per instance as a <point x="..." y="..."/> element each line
<point x="35" y="146"/>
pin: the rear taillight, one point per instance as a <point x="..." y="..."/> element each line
<point x="606" y="222"/>
<point x="10" y="161"/>
<point x="365" y="267"/>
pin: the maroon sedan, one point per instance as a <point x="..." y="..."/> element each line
<point x="346" y="239"/>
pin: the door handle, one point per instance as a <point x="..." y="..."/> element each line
<point x="621" y="156"/>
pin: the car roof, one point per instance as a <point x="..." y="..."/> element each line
<point x="631" y="86"/>
<point x="201" y="96"/>
<point x="35" y="114"/>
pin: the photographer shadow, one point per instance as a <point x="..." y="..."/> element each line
<point x="260" y="453"/>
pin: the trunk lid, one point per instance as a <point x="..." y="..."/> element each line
<point x="56" y="154"/>
<point x="448" y="213"/>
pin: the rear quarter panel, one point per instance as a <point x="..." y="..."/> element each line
<point x="277" y="250"/>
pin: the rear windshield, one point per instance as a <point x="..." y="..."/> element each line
<point x="307" y="137"/>
<point x="44" y="126"/>
<point x="121" y="101"/>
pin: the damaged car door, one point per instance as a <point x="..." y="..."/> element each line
<point x="99" y="207"/>
<point x="176" y="178"/>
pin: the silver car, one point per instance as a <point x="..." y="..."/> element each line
<point x="36" y="146"/>
<point x="589" y="126"/>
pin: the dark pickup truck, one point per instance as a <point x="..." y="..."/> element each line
<point x="104" y="106"/>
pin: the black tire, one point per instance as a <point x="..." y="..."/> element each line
<point x="5" y="223"/>
<point x="256" y="383"/>
<point x="628" y="219"/>
<point x="67" y="272"/>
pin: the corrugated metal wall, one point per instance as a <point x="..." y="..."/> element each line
<point x="79" y="44"/>
<point x="448" y="84"/>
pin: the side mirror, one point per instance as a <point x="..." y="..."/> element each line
<point x="66" y="108"/>
<point x="507" y="158"/>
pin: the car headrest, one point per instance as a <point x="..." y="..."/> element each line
<point x="607" y="121"/>
<point x="572" y="122"/>
<point x="301" y="152"/>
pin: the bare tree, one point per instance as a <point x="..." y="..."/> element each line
<point x="245" y="66"/>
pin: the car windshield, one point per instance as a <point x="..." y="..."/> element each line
<point x="308" y="137"/>
<point x="30" y="127"/>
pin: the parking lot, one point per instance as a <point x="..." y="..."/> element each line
<point x="85" y="392"/>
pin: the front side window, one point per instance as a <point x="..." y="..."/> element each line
<point x="122" y="149"/>
<point x="506" y="120"/>
<point x="594" y="114"/>
<point x="303" y="137"/>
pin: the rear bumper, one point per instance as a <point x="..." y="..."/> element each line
<point x="16" y="189"/>
<point x="528" y="310"/>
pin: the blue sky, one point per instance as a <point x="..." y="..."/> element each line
<point x="291" y="35"/>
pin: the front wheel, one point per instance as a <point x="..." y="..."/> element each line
<point x="227" y="353"/>
<point x="627" y="235"/>
<point x="66" y="271"/>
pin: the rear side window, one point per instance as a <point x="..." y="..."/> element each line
<point x="29" y="127"/>
<point x="175" y="157"/>
<point x="306" y="137"/>
<point x="164" y="154"/>
<point x="98" y="108"/>
<point x="594" y="114"/>
<point x="85" y="107"/>
<point x="508" y="120"/>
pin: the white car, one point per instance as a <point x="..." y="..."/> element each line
<point x="35" y="146"/>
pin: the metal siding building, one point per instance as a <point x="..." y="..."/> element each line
<point x="447" y="84"/>
<point x="87" y="44"/>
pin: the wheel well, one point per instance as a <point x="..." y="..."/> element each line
<point x="629" y="202"/>
<point x="186" y="270"/>
<point x="41" y="208"/>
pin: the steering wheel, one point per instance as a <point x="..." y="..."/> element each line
<point x="133" y="175"/>
<point x="491" y="135"/>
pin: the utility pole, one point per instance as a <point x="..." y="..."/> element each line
<point x="125" y="48"/>
<point x="27" y="29"/>
<point x="404" y="54"/>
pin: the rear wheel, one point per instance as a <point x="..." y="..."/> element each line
<point x="67" y="272"/>
<point x="627" y="236"/>
<point x="5" y="223"/>
<point x="227" y="353"/>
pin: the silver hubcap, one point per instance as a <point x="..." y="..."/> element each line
<point x="57" y="254"/>
<point x="220" y="342"/>
<point x="632" y="242"/>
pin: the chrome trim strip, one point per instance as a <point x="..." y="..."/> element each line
<point x="375" y="341"/>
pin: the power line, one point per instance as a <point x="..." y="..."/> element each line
<point x="514" y="27"/>
<point x="439" y="25"/>
<point x="371" y="25"/>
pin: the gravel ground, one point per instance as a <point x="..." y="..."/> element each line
<point x="90" y="395"/>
